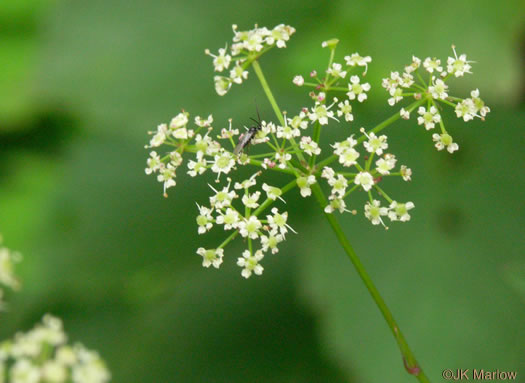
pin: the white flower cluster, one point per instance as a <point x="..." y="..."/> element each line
<point x="366" y="177"/>
<point x="222" y="212"/>
<point x="435" y="92"/>
<point x="43" y="355"/>
<point x="246" y="47"/>
<point x="335" y="81"/>
<point x="8" y="279"/>
<point x="209" y="153"/>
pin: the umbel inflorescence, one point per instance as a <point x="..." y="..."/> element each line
<point x="291" y="144"/>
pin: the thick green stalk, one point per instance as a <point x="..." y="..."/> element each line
<point x="409" y="359"/>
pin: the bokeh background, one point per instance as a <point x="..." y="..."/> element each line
<point x="81" y="84"/>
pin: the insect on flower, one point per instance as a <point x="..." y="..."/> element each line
<point x="246" y="138"/>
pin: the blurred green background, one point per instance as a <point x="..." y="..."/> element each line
<point x="81" y="84"/>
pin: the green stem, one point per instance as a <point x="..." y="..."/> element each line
<point x="409" y="359"/>
<point x="269" y="94"/>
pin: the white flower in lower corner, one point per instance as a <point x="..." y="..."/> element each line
<point x="24" y="371"/>
<point x="443" y="141"/>
<point x="211" y="257"/>
<point x="364" y="179"/>
<point x="374" y="212"/>
<point x="399" y="211"/>
<point x="304" y="185"/>
<point x="250" y="263"/>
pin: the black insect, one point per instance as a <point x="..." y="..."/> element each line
<point x="246" y="138"/>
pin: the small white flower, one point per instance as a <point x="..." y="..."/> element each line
<point x="406" y="80"/>
<point x="432" y="64"/>
<point x="406" y="173"/>
<point x="211" y="257"/>
<point x="320" y="112"/>
<point x="356" y="59"/>
<point x="279" y="35"/>
<point x="205" y="145"/>
<point x="405" y="114"/>
<point x="223" y="198"/>
<point x="23" y="371"/>
<point x="392" y="82"/>
<point x="444" y="140"/>
<point x="397" y="95"/>
<point x="364" y="179"/>
<point x="230" y="219"/>
<point x="287" y="132"/>
<point x="375" y="144"/>
<point x="357" y="90"/>
<point x="345" y="109"/>
<point x="466" y="109"/>
<point x="439" y="89"/>
<point x="250" y="200"/>
<point x="458" y="65"/>
<point x="336" y="71"/>
<point x="251" y="263"/>
<point x="428" y="117"/>
<point x="166" y="175"/>
<point x="304" y="185"/>
<point x="221" y="61"/>
<point x="399" y="211"/>
<point x="277" y="221"/>
<point x="298" y="121"/>
<point x="154" y="163"/>
<point x="335" y="203"/>
<point x="203" y="123"/>
<point x="54" y="372"/>
<point x="328" y="173"/>
<point x="384" y="165"/>
<point x="237" y="74"/>
<point x="416" y="63"/>
<point x="298" y="80"/>
<point x="271" y="241"/>
<point x="282" y="159"/>
<point x="204" y="219"/>
<point x="479" y="105"/>
<point x="339" y="185"/>
<point x="272" y="192"/>
<point x="223" y="163"/>
<point x="309" y="146"/>
<point x="374" y="212"/>
<point x="246" y="183"/>
<point x="348" y="157"/>
<point x="179" y="121"/>
<point x="341" y="147"/>
<point x="197" y="167"/>
<point x="222" y="85"/>
<point x="250" y="227"/>
<point x="160" y="136"/>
